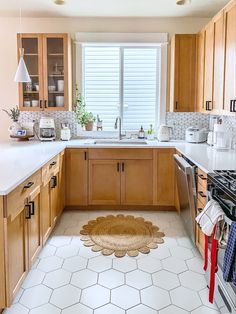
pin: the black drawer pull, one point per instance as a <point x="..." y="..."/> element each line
<point x="28" y="185"/>
<point x="53" y="182"/>
<point x="201" y="176"/>
<point x="231" y="105"/>
<point x="118" y="167"/>
<point x="199" y="210"/>
<point x="28" y="211"/>
<point x="32" y="208"/>
<point x="201" y="194"/>
<point x="123" y="166"/>
<point x="53" y="163"/>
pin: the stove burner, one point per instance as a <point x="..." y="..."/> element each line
<point x="227" y="178"/>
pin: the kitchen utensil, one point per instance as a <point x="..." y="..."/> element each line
<point x="222" y="137"/>
<point x="47" y="129"/>
<point x="164" y="133"/>
<point x="65" y="132"/>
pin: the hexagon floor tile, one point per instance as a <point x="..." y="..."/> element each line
<point x="125" y="297"/>
<point x="65" y="296"/>
<point x="138" y="279"/>
<point x="166" y="280"/>
<point x="111" y="278"/>
<point x="155" y="297"/>
<point x="189" y="302"/>
<point x="35" y="296"/>
<point x="95" y="296"/>
<point x="69" y="278"/>
<point x="84" y="278"/>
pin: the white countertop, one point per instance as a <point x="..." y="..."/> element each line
<point x="19" y="160"/>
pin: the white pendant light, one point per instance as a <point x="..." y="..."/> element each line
<point x="22" y="74"/>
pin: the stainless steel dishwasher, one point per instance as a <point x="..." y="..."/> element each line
<point x="186" y="187"/>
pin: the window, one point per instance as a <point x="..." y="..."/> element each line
<point x="122" y="81"/>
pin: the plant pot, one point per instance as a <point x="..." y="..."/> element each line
<point x="14" y="127"/>
<point x="89" y="126"/>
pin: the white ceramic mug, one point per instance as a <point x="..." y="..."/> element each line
<point x="59" y="101"/>
<point x="27" y="103"/>
<point x="35" y="103"/>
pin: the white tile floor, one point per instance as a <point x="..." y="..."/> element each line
<point x="69" y="278"/>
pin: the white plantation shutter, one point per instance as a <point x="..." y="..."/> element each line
<point x="122" y="81"/>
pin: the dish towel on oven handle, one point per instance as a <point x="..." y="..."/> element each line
<point x="229" y="264"/>
<point x="207" y="220"/>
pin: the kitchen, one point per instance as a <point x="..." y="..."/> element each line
<point x="117" y="144"/>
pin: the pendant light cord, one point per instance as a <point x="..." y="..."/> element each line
<point x="21" y="49"/>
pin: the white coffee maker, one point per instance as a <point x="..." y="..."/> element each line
<point x="222" y="137"/>
<point x="47" y="130"/>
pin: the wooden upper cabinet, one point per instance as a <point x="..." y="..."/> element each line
<point x="183" y="72"/>
<point x="104" y="182"/>
<point x="137" y="189"/>
<point x="76" y="177"/>
<point x="200" y="70"/>
<point x="48" y="60"/>
<point x="230" y="58"/>
<point x="208" y="68"/>
<point x="218" y="69"/>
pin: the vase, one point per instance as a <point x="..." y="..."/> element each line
<point x="89" y="126"/>
<point x="14" y="127"/>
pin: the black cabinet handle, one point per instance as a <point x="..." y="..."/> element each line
<point x="176" y="105"/>
<point x="28" y="211"/>
<point x="231" y="105"/>
<point x="123" y="166"/>
<point x="201" y="176"/>
<point x="28" y="185"/>
<point x="45" y="104"/>
<point x="32" y="208"/>
<point x="53" y="182"/>
<point x="201" y="194"/>
<point x="199" y="210"/>
<point x="234" y="106"/>
<point x="118" y="167"/>
<point x="53" y="163"/>
<point x="206" y="105"/>
<point x="41" y="103"/>
<point x="85" y="155"/>
<point x="209" y="103"/>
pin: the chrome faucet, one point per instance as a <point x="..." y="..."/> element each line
<point x="116" y="126"/>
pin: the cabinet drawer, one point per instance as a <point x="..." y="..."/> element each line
<point x="16" y="199"/>
<point x="202" y="178"/>
<point x="120" y="153"/>
<point x="51" y="168"/>
<point x="202" y="195"/>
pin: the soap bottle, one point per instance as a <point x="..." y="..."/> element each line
<point x="141" y="133"/>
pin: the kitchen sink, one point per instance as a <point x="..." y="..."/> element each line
<point x="120" y="142"/>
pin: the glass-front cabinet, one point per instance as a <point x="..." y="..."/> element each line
<point x="47" y="57"/>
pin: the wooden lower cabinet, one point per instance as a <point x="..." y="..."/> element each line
<point x="104" y="182"/>
<point x="137" y="182"/>
<point x="54" y="198"/>
<point x="76" y="177"/>
<point x="164" y="177"/>
<point x="2" y="260"/>
<point x="46" y="221"/>
<point x="16" y="253"/>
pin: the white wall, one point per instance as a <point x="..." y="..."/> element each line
<point x="10" y="26"/>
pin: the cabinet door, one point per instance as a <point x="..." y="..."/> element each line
<point x="200" y="70"/>
<point x="34" y="236"/>
<point x="54" y="199"/>
<point x="183" y="89"/>
<point x="136" y="182"/>
<point x="61" y="182"/>
<point x="56" y="65"/>
<point x="230" y="56"/>
<point x="2" y="259"/>
<point x="208" y="71"/>
<point x="104" y="182"/>
<point x="218" y="72"/>
<point x="164" y="177"/>
<point x="17" y="259"/>
<point x="76" y="177"/>
<point x="31" y="94"/>
<point x="45" y="212"/>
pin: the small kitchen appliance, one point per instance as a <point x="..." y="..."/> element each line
<point x="221" y="186"/>
<point x="164" y="133"/>
<point x="195" y="135"/>
<point x="65" y="132"/>
<point x="222" y="137"/>
<point x="47" y="129"/>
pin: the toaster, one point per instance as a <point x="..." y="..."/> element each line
<point x="195" y="135"/>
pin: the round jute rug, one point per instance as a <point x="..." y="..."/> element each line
<point x="121" y="235"/>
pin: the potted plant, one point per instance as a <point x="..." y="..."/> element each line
<point x="14" y="114"/>
<point x="85" y="118"/>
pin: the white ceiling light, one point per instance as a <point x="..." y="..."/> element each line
<point x="22" y="74"/>
<point x="183" y="2"/>
<point x="59" y="2"/>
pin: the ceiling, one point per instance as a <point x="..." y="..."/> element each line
<point x="112" y="8"/>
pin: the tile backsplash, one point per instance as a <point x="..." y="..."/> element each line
<point x="180" y="121"/>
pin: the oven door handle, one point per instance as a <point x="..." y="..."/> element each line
<point x="224" y="206"/>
